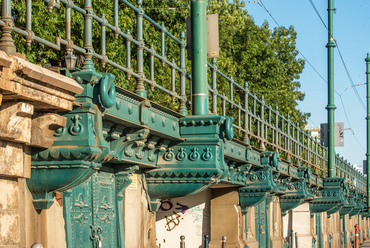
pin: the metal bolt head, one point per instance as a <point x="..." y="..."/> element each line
<point x="37" y="245"/>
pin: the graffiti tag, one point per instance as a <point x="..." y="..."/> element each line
<point x="168" y="205"/>
<point x="172" y="221"/>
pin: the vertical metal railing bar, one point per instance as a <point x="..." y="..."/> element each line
<point x="140" y="88"/>
<point x="268" y="129"/>
<point x="128" y="54"/>
<point x="88" y="45"/>
<point x="116" y="18"/>
<point x="151" y="66"/>
<point x="246" y="114"/>
<point x="214" y="85"/>
<point x="239" y="120"/>
<point x="231" y="88"/>
<point x="163" y="43"/>
<point x="103" y="38"/>
<point x="298" y="141"/>
<point x="223" y="104"/>
<point x="261" y="123"/>
<point x="182" y="109"/>
<point x="29" y="21"/>
<point x="173" y="80"/>
<point x="288" y="138"/>
<point x="277" y="133"/>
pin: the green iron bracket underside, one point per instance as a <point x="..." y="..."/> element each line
<point x="296" y="191"/>
<point x="117" y="129"/>
<point x="351" y="198"/>
<point x="332" y="197"/>
<point x="359" y="203"/>
<point x="193" y="165"/>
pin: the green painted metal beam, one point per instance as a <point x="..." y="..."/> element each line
<point x="331" y="107"/>
<point x="368" y="127"/>
<point x="199" y="57"/>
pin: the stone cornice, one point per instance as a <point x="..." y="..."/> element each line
<point x="45" y="89"/>
<point x="29" y="97"/>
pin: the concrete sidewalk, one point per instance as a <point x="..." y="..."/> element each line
<point x="366" y="244"/>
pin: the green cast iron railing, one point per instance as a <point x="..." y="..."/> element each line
<point x="142" y="77"/>
<point x="256" y="123"/>
<point x="263" y="126"/>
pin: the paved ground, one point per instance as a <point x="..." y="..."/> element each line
<point x="366" y="244"/>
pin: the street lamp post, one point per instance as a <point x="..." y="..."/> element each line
<point x="368" y="127"/>
<point x="199" y="57"/>
<point x="331" y="107"/>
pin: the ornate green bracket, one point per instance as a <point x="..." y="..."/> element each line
<point x="365" y="213"/>
<point x="331" y="197"/>
<point x="296" y="191"/>
<point x="191" y="166"/>
<point x="359" y="204"/>
<point x="80" y="147"/>
<point x="258" y="186"/>
<point x="351" y="204"/>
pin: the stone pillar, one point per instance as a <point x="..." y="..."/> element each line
<point x="334" y="230"/>
<point x="227" y="219"/>
<point x="351" y="230"/>
<point x="362" y="228"/>
<point x="276" y="227"/>
<point x="300" y="223"/>
<point x="139" y="222"/>
<point x="30" y="96"/>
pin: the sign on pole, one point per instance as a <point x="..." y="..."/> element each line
<point x="364" y="167"/>
<point x="338" y="134"/>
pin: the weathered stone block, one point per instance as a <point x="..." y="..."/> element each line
<point x="12" y="159"/>
<point x="9" y="229"/>
<point x="5" y="60"/>
<point x="43" y="129"/>
<point x="15" y="121"/>
<point x="9" y="194"/>
<point x="44" y="75"/>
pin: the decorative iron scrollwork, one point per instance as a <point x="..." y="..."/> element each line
<point x="107" y="90"/>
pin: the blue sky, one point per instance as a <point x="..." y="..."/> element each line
<point x="352" y="32"/>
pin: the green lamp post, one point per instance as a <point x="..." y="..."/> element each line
<point x="331" y="107"/>
<point x="199" y="57"/>
<point x="368" y="127"/>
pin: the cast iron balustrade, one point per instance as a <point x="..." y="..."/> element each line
<point x="258" y="124"/>
<point x="89" y="51"/>
<point x="262" y="126"/>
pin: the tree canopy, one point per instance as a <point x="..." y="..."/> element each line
<point x="265" y="58"/>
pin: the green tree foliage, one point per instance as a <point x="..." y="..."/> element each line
<point x="266" y="59"/>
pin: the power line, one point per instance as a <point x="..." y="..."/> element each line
<point x="349" y="76"/>
<point x="349" y="124"/>
<point x="340" y="55"/>
<point x="260" y="3"/>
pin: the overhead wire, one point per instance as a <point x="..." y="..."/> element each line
<point x="348" y="75"/>
<point x="263" y="6"/>
<point x="340" y="55"/>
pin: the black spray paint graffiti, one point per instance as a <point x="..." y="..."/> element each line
<point x="168" y="205"/>
<point x="173" y="220"/>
